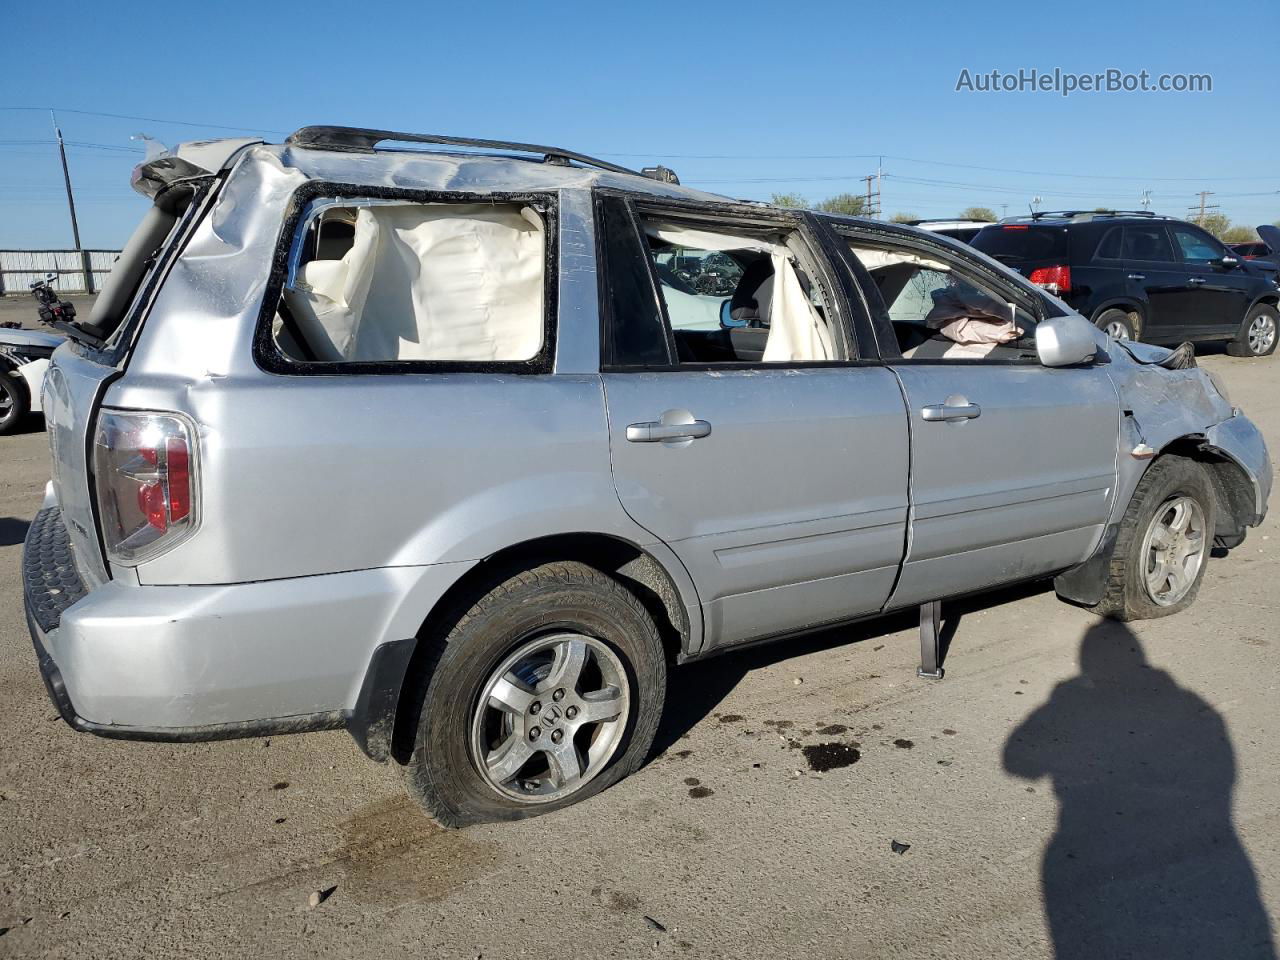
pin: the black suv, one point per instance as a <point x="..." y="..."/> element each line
<point x="1143" y="277"/>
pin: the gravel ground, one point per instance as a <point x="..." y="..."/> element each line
<point x="1067" y="776"/>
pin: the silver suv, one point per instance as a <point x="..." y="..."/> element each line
<point x="461" y="449"/>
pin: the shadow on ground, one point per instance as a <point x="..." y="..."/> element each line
<point x="12" y="531"/>
<point x="696" y="689"/>
<point x="1145" y="861"/>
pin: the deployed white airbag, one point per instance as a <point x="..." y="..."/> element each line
<point x="797" y="332"/>
<point x="447" y="282"/>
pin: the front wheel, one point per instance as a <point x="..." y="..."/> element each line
<point x="546" y="691"/>
<point x="1163" y="544"/>
<point x="1258" y="333"/>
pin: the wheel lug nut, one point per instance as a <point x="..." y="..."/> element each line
<point x="558" y="695"/>
<point x="571" y="712"/>
<point x="557" y="736"/>
<point x="535" y="733"/>
<point x="535" y="706"/>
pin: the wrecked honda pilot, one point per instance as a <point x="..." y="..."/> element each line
<point x="462" y="445"/>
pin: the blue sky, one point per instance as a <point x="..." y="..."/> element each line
<point x="745" y="99"/>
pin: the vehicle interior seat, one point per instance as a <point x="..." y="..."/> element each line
<point x="754" y="294"/>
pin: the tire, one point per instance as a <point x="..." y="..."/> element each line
<point x="528" y="609"/>
<point x="14" y="402"/>
<point x="1119" y="324"/>
<point x="1169" y="480"/>
<point x="1258" y="333"/>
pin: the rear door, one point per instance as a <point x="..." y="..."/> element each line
<point x="765" y="454"/>
<point x="1013" y="464"/>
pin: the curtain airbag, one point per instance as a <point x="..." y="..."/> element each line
<point x="446" y="282"/>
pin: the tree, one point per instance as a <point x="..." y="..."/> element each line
<point x="789" y="200"/>
<point x="1239" y="234"/>
<point x="849" y="204"/>
<point x="903" y="218"/>
<point x="978" y="213"/>
<point x="1216" y="223"/>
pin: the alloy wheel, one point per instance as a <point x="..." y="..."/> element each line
<point x="1262" y="333"/>
<point x="1116" y="330"/>
<point x="1173" y="549"/>
<point x="550" y="717"/>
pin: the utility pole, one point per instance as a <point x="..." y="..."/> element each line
<point x="880" y="183"/>
<point x="86" y="268"/>
<point x="1205" y="208"/>
<point x="66" y="178"/>
<point x="1146" y="199"/>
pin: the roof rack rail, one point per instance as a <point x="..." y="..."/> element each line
<point x="1084" y="214"/>
<point x="362" y="140"/>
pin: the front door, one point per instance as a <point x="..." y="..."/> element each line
<point x="1220" y="295"/>
<point x="1013" y="472"/>
<point x="777" y="471"/>
<point x="1013" y="465"/>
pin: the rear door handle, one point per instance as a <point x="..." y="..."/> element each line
<point x="654" y="431"/>
<point x="1137" y="276"/>
<point x="943" y="411"/>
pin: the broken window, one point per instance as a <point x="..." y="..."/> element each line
<point x="940" y="313"/>
<point x="394" y="281"/>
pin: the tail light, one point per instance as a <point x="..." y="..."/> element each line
<point x="146" y="483"/>
<point x="1054" y="279"/>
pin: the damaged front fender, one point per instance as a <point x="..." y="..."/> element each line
<point x="1176" y="411"/>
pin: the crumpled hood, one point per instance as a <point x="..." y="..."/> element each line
<point x="1144" y="352"/>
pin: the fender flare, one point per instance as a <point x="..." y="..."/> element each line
<point x="376" y="711"/>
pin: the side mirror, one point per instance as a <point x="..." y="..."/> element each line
<point x="1065" y="341"/>
<point x="1228" y="261"/>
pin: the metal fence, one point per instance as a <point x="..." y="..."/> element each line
<point x="78" y="271"/>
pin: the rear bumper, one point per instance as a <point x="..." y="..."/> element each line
<point x="215" y="662"/>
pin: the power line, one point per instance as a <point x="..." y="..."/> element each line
<point x="127" y="116"/>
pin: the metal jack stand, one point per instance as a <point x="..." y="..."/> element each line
<point x="930" y="640"/>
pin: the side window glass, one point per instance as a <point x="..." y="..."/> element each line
<point x="940" y="313"/>
<point x="635" y="335"/>
<point x="1147" y="243"/>
<point x="1196" y="247"/>
<point x="417" y="281"/>
<point x="745" y="295"/>
<point x="1109" y="248"/>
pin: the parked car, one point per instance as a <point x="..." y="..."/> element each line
<point x="1264" y="251"/>
<point x="1143" y="277"/>
<point x="420" y="445"/>
<point x="962" y="230"/>
<point x="24" y="357"/>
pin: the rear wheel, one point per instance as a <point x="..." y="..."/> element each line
<point x="545" y="692"/>
<point x="1258" y="333"/>
<point x="1163" y="544"/>
<point x="13" y="400"/>
<point x="1118" y="325"/>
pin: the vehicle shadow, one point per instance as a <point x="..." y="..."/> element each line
<point x="1145" y="861"/>
<point x="31" y="423"/>
<point x="695" y="689"/>
<point x="12" y="531"/>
